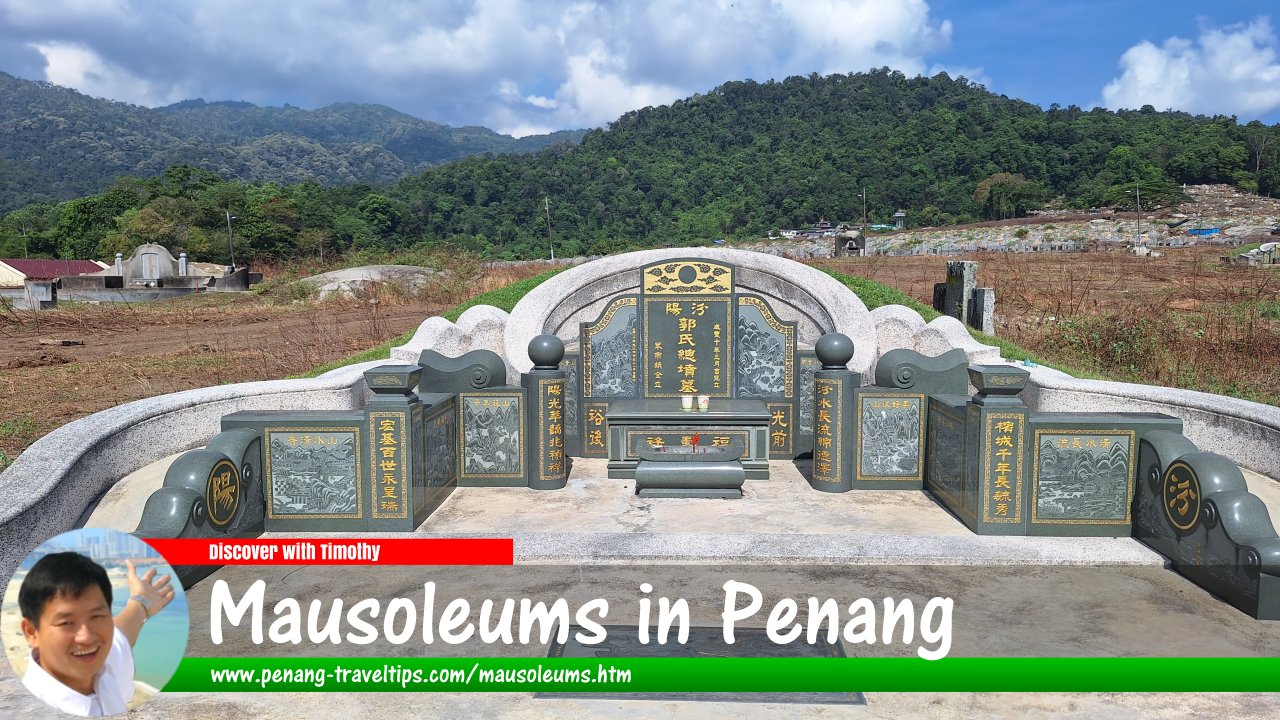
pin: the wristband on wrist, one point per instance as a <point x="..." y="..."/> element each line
<point x="145" y="603"/>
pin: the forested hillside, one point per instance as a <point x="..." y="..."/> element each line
<point x="57" y="144"/>
<point x="739" y="161"/>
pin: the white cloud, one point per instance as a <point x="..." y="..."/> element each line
<point x="514" y="64"/>
<point x="597" y="91"/>
<point x="1228" y="70"/>
<point x="80" y="68"/>
<point x="624" y="57"/>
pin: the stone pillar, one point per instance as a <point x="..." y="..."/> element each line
<point x="962" y="278"/>
<point x="997" y="450"/>
<point x="397" y="454"/>
<point x="544" y="415"/>
<point x="939" y="296"/>
<point x="182" y="264"/>
<point x="41" y="294"/>
<point x="833" y="405"/>
<point x="119" y="266"/>
<point x="982" y="311"/>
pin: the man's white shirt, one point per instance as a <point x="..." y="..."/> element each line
<point x="112" y="687"/>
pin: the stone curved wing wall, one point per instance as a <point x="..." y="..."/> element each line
<point x="1247" y="432"/>
<point x="58" y="480"/>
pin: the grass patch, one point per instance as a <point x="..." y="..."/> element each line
<point x="504" y="298"/>
<point x="377" y="352"/>
<point x="875" y="295"/>
<point x="16" y="428"/>
<point x="1243" y="249"/>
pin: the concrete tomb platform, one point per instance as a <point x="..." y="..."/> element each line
<point x="601" y="521"/>
<point x="1089" y="596"/>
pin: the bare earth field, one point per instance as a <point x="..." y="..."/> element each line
<point x="126" y="352"/>
<point x="1182" y="319"/>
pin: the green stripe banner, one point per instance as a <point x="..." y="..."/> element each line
<point x="640" y="675"/>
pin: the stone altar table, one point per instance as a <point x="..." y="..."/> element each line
<point x="636" y="422"/>
<point x="690" y="471"/>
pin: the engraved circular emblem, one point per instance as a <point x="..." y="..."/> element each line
<point x="688" y="274"/>
<point x="1181" y="496"/>
<point x="222" y="493"/>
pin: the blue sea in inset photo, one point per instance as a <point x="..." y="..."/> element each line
<point x="162" y="641"/>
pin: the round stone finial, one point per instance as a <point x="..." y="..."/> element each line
<point x="834" y="351"/>
<point x="546" y="352"/>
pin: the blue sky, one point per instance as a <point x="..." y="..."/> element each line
<point x="1068" y="52"/>
<point x="525" y="66"/>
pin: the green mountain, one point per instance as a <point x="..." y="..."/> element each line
<point x="750" y="157"/>
<point x="57" y="144"/>
<point x="737" y="162"/>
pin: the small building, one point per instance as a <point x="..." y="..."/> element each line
<point x="14" y="273"/>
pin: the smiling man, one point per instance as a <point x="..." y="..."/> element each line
<point x="82" y="657"/>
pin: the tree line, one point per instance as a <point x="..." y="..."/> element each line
<point x="740" y="161"/>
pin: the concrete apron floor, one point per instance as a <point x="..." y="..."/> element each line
<point x="596" y="521"/>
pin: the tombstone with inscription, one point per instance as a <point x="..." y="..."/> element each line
<point x="689" y="334"/>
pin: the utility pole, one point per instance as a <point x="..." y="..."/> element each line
<point x="864" y="219"/>
<point x="230" y="240"/>
<point x="546" y="203"/>
<point x="1137" y="192"/>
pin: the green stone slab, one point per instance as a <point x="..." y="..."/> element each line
<point x="315" y="472"/>
<point x="631" y="421"/>
<point x="946" y="468"/>
<point x="1082" y="471"/>
<point x="888" y="436"/>
<point x="492" y="438"/>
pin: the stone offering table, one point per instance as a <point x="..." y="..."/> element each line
<point x="653" y="422"/>
<point x="690" y="471"/>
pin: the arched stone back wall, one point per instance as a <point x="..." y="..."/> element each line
<point x="796" y="291"/>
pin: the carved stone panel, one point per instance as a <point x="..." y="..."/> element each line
<point x="782" y="430"/>
<point x="572" y="403"/>
<point x="765" y="364"/>
<point x="687" y="277"/>
<point x="610" y="351"/>
<point x="442" y="457"/>
<point x="688" y="344"/>
<point x="313" y="473"/>
<point x="389" y="447"/>
<point x="594" y="440"/>
<point x="944" y="452"/>
<point x="889" y="436"/>
<point x="1003" y="467"/>
<point x="1082" y="476"/>
<point x="808" y="364"/>
<point x="492" y="438"/>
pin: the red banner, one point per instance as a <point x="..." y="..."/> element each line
<point x="332" y="551"/>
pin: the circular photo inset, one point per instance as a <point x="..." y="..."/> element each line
<point x="94" y="622"/>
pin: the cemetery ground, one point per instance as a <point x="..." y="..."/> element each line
<point x="60" y="365"/>
<point x="1182" y="319"/>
